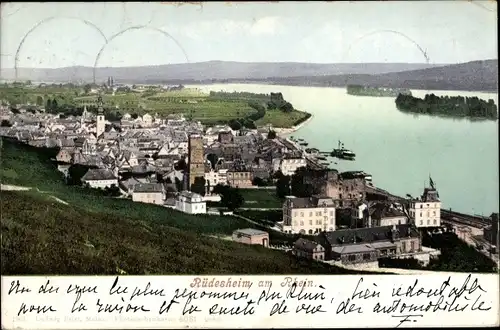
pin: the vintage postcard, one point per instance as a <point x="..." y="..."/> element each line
<point x="249" y="164"/>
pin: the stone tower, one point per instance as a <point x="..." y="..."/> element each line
<point x="196" y="163"/>
<point x="100" y="126"/>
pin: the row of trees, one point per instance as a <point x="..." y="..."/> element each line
<point x="293" y="185"/>
<point x="456" y="256"/>
<point x="457" y="106"/>
<point x="278" y="102"/>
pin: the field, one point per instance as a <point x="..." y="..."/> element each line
<point x="261" y="198"/>
<point x="99" y="235"/>
<point x="209" y="109"/>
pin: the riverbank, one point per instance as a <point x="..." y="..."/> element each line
<point x="286" y="131"/>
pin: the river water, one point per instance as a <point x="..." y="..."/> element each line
<point x="400" y="150"/>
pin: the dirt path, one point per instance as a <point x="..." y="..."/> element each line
<point x="8" y="187"/>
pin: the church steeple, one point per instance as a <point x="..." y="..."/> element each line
<point x="100" y="103"/>
<point x="100" y="125"/>
<point x="84" y="115"/>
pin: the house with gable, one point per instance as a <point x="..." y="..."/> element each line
<point x="99" y="178"/>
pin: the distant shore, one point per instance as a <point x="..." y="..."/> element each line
<point x="317" y="85"/>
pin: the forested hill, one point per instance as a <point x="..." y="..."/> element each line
<point x="473" y="76"/>
<point x="207" y="70"/>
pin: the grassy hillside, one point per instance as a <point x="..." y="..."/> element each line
<point x="99" y="235"/>
<point x="31" y="167"/>
<point x="42" y="236"/>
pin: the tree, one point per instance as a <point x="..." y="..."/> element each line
<point x="112" y="191"/>
<point x="234" y="124"/>
<point x="233" y="199"/>
<point x="87" y="88"/>
<point x="271" y="135"/>
<point x="286" y="107"/>
<point x="55" y="107"/>
<point x="198" y="185"/>
<point x="76" y="172"/>
<point x="299" y="188"/>
<point x="213" y="158"/>
<point x="283" y="186"/>
<point x="178" y="184"/>
<point x="230" y="197"/>
<point x="220" y="189"/>
<point x="39" y="100"/>
<point x="5" y="123"/>
<point x="258" y="181"/>
<point x="181" y="165"/>
<point x="48" y="105"/>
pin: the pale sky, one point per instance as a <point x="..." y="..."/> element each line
<point x="341" y="32"/>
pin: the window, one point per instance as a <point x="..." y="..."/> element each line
<point x="352" y="257"/>
<point x="310" y="222"/>
<point x="420" y="213"/>
<point x="331" y="221"/>
<point x="302" y="223"/>
<point x="366" y="256"/>
<point x="428" y="222"/>
<point x="421" y="222"/>
<point x="310" y="231"/>
<point x="331" y="213"/>
<point x="301" y="214"/>
<point x="435" y="221"/>
<point x="311" y="214"/>
<point x="320" y="222"/>
<point x="295" y="213"/>
<point x="421" y="206"/>
<point x="433" y="212"/>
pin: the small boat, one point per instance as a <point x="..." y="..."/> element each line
<point x="304" y="143"/>
<point x="368" y="177"/>
<point x="321" y="157"/>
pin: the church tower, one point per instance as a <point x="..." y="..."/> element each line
<point x="100" y="126"/>
<point x="196" y="159"/>
<point x="84" y="115"/>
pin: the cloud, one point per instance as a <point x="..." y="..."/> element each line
<point x="226" y="27"/>
<point x="266" y="25"/>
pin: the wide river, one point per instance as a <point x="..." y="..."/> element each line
<point x="400" y="150"/>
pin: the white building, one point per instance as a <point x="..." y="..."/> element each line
<point x="288" y="165"/>
<point x="189" y="202"/>
<point x="309" y="215"/>
<point x="152" y="193"/>
<point x="100" y="178"/>
<point x="101" y="121"/>
<point x="426" y="211"/>
<point x="213" y="178"/>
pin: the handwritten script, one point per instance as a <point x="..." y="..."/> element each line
<point x="393" y="300"/>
